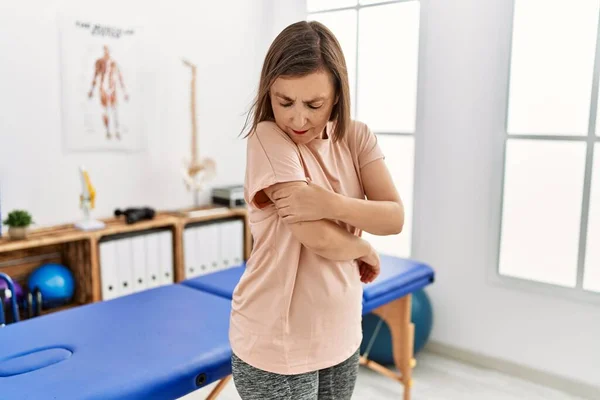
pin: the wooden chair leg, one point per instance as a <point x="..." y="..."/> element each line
<point x="397" y="316"/>
<point x="219" y="388"/>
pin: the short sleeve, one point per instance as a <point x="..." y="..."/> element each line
<point x="366" y="145"/>
<point x="271" y="157"/>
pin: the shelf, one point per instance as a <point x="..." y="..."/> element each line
<point x="191" y="215"/>
<point x="59" y="309"/>
<point x="69" y="233"/>
<point x="115" y="226"/>
<point x="79" y="250"/>
<point x="43" y="237"/>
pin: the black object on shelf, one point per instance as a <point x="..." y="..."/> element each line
<point x="135" y="214"/>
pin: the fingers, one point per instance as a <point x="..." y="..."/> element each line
<point x="364" y="272"/>
<point x="290" y="219"/>
<point x="285" y="214"/>
<point x="368" y="278"/>
<point x="281" y="194"/>
<point x="367" y="273"/>
<point x="285" y="192"/>
<point x="282" y="206"/>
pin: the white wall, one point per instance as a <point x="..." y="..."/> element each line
<point x="227" y="40"/>
<point x="463" y="85"/>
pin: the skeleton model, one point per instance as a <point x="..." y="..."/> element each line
<point x="195" y="172"/>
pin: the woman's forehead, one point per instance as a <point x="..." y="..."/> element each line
<point x="311" y="87"/>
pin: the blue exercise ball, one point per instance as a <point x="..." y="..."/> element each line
<point x="381" y="349"/>
<point x="55" y="282"/>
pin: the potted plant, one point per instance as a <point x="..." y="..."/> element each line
<point x="18" y="221"/>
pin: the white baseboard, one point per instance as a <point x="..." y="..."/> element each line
<point x="571" y="386"/>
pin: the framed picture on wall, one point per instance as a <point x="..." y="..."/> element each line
<point x="100" y="67"/>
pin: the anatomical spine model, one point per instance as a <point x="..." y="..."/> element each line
<point x="195" y="172"/>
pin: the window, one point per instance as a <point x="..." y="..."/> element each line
<point x="591" y="276"/>
<point x="380" y="40"/>
<point x="550" y="215"/>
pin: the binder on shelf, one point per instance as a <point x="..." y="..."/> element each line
<point x="190" y="260"/>
<point x="165" y="240"/>
<point x="202" y="249"/>
<point x="208" y="241"/>
<point x="124" y="266"/>
<point x="237" y="234"/>
<point x="153" y="269"/>
<point x="138" y="251"/>
<point x="231" y="243"/>
<point x="213" y="246"/>
<point x="108" y="270"/>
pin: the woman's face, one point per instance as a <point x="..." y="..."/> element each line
<point x="302" y="105"/>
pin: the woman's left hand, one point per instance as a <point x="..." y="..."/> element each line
<point x="306" y="203"/>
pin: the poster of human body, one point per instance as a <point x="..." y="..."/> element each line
<point x="100" y="72"/>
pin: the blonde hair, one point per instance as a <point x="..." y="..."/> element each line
<point x="300" y="49"/>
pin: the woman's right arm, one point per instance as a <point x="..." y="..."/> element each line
<point x="329" y="240"/>
<point x="324" y="237"/>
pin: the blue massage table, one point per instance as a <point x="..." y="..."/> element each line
<point x="169" y="341"/>
<point x="387" y="297"/>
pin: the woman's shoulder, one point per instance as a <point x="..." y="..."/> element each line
<point x="266" y="126"/>
<point x="268" y="137"/>
<point x="268" y="130"/>
<point x="358" y="125"/>
<point x="356" y="132"/>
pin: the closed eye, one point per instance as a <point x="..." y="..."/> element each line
<point x="309" y="106"/>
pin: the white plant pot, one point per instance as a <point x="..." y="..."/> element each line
<point x="17" y="232"/>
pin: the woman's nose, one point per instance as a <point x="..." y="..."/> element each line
<point x="299" y="120"/>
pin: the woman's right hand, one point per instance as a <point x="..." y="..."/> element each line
<point x="369" y="266"/>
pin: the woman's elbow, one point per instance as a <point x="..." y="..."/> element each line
<point x="313" y="235"/>
<point x="398" y="220"/>
<point x="398" y="227"/>
<point x="321" y="241"/>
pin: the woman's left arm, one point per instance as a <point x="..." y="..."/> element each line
<point x="383" y="211"/>
<point x="381" y="214"/>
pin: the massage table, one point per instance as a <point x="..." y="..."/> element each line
<point x="388" y="297"/>
<point x="166" y="342"/>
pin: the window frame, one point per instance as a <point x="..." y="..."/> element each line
<point x="494" y="277"/>
<point x="357" y="7"/>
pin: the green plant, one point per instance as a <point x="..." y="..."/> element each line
<point x="18" y="218"/>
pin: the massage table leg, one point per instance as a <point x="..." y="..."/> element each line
<point x="397" y="316"/>
<point x="219" y="388"/>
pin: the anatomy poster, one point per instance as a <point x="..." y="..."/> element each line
<point x="101" y="79"/>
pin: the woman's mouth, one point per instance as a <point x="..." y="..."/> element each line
<point x="299" y="132"/>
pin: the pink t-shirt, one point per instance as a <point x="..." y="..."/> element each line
<point x="294" y="311"/>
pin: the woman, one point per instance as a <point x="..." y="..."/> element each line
<point x="296" y="314"/>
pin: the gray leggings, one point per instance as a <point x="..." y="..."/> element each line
<point x="331" y="383"/>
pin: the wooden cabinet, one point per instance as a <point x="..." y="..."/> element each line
<point x="125" y="258"/>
